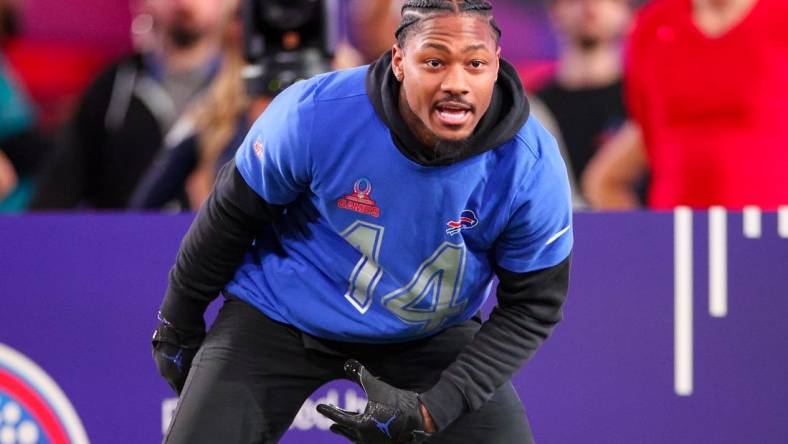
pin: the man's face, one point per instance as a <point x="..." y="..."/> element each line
<point x="448" y="70"/>
<point x="185" y="22"/>
<point x="590" y="22"/>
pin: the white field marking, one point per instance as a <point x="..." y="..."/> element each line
<point x="554" y="237"/>
<point x="752" y="222"/>
<point x="682" y="236"/>
<point x="782" y="222"/>
<point x="718" y="262"/>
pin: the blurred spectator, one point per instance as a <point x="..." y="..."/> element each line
<point x="583" y="101"/>
<point x="706" y="88"/>
<point x="122" y="118"/>
<point x="372" y="26"/>
<point x="183" y="172"/>
<point x="208" y="135"/>
<point x="20" y="147"/>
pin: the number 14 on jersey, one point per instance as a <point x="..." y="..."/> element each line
<point x="428" y="299"/>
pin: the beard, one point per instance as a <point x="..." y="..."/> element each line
<point x="184" y="36"/>
<point x="443" y="148"/>
<point x="450" y="149"/>
<point x="588" y="43"/>
<point x="9" y="22"/>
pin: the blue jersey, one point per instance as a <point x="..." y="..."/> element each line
<point x="374" y="247"/>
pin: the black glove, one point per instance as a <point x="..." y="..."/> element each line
<point x="173" y="351"/>
<point x="392" y="415"/>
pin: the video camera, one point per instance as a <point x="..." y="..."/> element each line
<point x="286" y="41"/>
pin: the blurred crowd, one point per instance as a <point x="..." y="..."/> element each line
<point x="653" y="103"/>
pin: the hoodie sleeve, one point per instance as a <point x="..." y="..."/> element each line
<point x="213" y="248"/>
<point x="532" y="258"/>
<point x="529" y="306"/>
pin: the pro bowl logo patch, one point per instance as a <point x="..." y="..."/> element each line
<point x="359" y="201"/>
<point x="33" y="409"/>
<point x="467" y="220"/>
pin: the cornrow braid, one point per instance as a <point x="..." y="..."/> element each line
<point x="414" y="12"/>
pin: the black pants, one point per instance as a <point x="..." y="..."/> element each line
<point x="252" y="375"/>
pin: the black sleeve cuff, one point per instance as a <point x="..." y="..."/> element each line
<point x="445" y="402"/>
<point x="185" y="314"/>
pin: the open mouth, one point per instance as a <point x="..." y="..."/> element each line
<point x="453" y="114"/>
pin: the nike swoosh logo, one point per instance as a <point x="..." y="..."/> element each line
<point x="555" y="237"/>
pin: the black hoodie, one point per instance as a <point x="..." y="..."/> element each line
<point x="529" y="304"/>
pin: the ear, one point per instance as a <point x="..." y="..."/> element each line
<point x="397" y="58"/>
<point x="497" y="61"/>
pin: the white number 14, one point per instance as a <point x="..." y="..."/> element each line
<point x="439" y="276"/>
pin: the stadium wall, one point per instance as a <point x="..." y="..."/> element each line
<point x="675" y="331"/>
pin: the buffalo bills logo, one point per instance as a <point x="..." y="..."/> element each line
<point x="467" y="220"/>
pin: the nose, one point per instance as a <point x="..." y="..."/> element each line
<point x="456" y="81"/>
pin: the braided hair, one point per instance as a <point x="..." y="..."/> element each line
<point x="414" y="12"/>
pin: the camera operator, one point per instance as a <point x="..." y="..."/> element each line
<point x="269" y="46"/>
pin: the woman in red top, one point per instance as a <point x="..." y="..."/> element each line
<point x="707" y="89"/>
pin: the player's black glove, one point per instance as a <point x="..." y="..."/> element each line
<point x="391" y="416"/>
<point x="173" y="351"/>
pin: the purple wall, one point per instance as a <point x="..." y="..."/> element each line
<point x="80" y="293"/>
